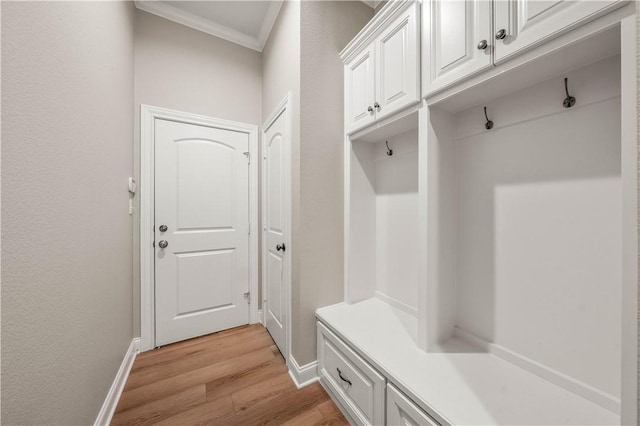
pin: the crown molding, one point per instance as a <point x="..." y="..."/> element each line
<point x="268" y="22"/>
<point x="213" y="28"/>
<point x="372" y="3"/>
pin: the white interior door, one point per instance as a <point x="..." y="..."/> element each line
<point x="276" y="248"/>
<point x="202" y="256"/>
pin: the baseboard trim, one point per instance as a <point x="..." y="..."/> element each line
<point x="305" y="375"/>
<point x="396" y="303"/>
<point x="109" y="406"/>
<point x="261" y="318"/>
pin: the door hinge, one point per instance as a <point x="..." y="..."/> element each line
<point x="249" y="228"/>
<point x="247" y="296"/>
<point x="248" y="155"/>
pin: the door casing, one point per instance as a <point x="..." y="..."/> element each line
<point x="283" y="105"/>
<point x="148" y="115"/>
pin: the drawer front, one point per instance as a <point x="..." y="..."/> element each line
<point x="402" y="411"/>
<point x="359" y="388"/>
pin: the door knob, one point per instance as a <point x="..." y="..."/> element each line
<point x="482" y="45"/>
<point x="163" y="244"/>
<point x="163" y="228"/>
<point x="501" y="34"/>
<point x="280" y="247"/>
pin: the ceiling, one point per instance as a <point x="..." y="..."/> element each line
<point x="247" y="23"/>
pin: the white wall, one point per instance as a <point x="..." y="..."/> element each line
<point x="326" y="28"/>
<point x="361" y="222"/>
<point x="67" y="123"/>
<point x="180" y="68"/>
<point x="397" y="221"/>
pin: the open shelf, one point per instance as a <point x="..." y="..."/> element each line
<point x="528" y="250"/>
<point x="383" y="218"/>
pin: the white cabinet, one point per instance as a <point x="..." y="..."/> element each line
<point x="359" y="89"/>
<point x="357" y="387"/>
<point x="495" y="219"/>
<point x="402" y="411"/>
<point x="462" y="38"/>
<point x="397" y="56"/>
<point x="453" y="35"/>
<point x="520" y="24"/>
<point x="382" y="66"/>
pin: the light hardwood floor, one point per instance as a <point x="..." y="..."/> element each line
<point x="235" y="377"/>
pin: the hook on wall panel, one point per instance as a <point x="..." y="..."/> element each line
<point x="489" y="124"/>
<point x="389" y="150"/>
<point x="569" y="101"/>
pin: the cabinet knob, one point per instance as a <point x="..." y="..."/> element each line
<point x="483" y="45"/>
<point x="501" y="34"/>
<point x="377" y="106"/>
<point x="369" y="108"/>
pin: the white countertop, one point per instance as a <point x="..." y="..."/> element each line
<point x="468" y="387"/>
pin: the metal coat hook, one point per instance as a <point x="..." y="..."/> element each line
<point x="569" y="101"/>
<point x="489" y="124"/>
<point x="389" y="150"/>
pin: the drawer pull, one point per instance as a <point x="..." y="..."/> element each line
<point x="343" y="379"/>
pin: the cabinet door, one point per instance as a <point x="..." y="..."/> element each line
<point x="527" y="23"/>
<point x="359" y="90"/>
<point x="453" y="31"/>
<point x="397" y="55"/>
<point x="402" y="411"/>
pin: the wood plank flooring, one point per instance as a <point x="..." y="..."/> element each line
<point x="235" y="377"/>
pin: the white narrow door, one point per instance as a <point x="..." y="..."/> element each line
<point x="276" y="251"/>
<point x="359" y="86"/>
<point x="397" y="56"/>
<point x="459" y="41"/>
<point x="201" y="230"/>
<point x="524" y="23"/>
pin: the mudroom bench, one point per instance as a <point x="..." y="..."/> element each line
<point x="369" y="362"/>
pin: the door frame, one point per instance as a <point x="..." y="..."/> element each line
<point x="148" y="115"/>
<point x="284" y="106"/>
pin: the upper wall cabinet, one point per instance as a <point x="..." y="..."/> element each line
<point x="382" y="66"/>
<point x="458" y="39"/>
<point x="524" y="23"/>
<point x="462" y="38"/>
<point x="359" y="88"/>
